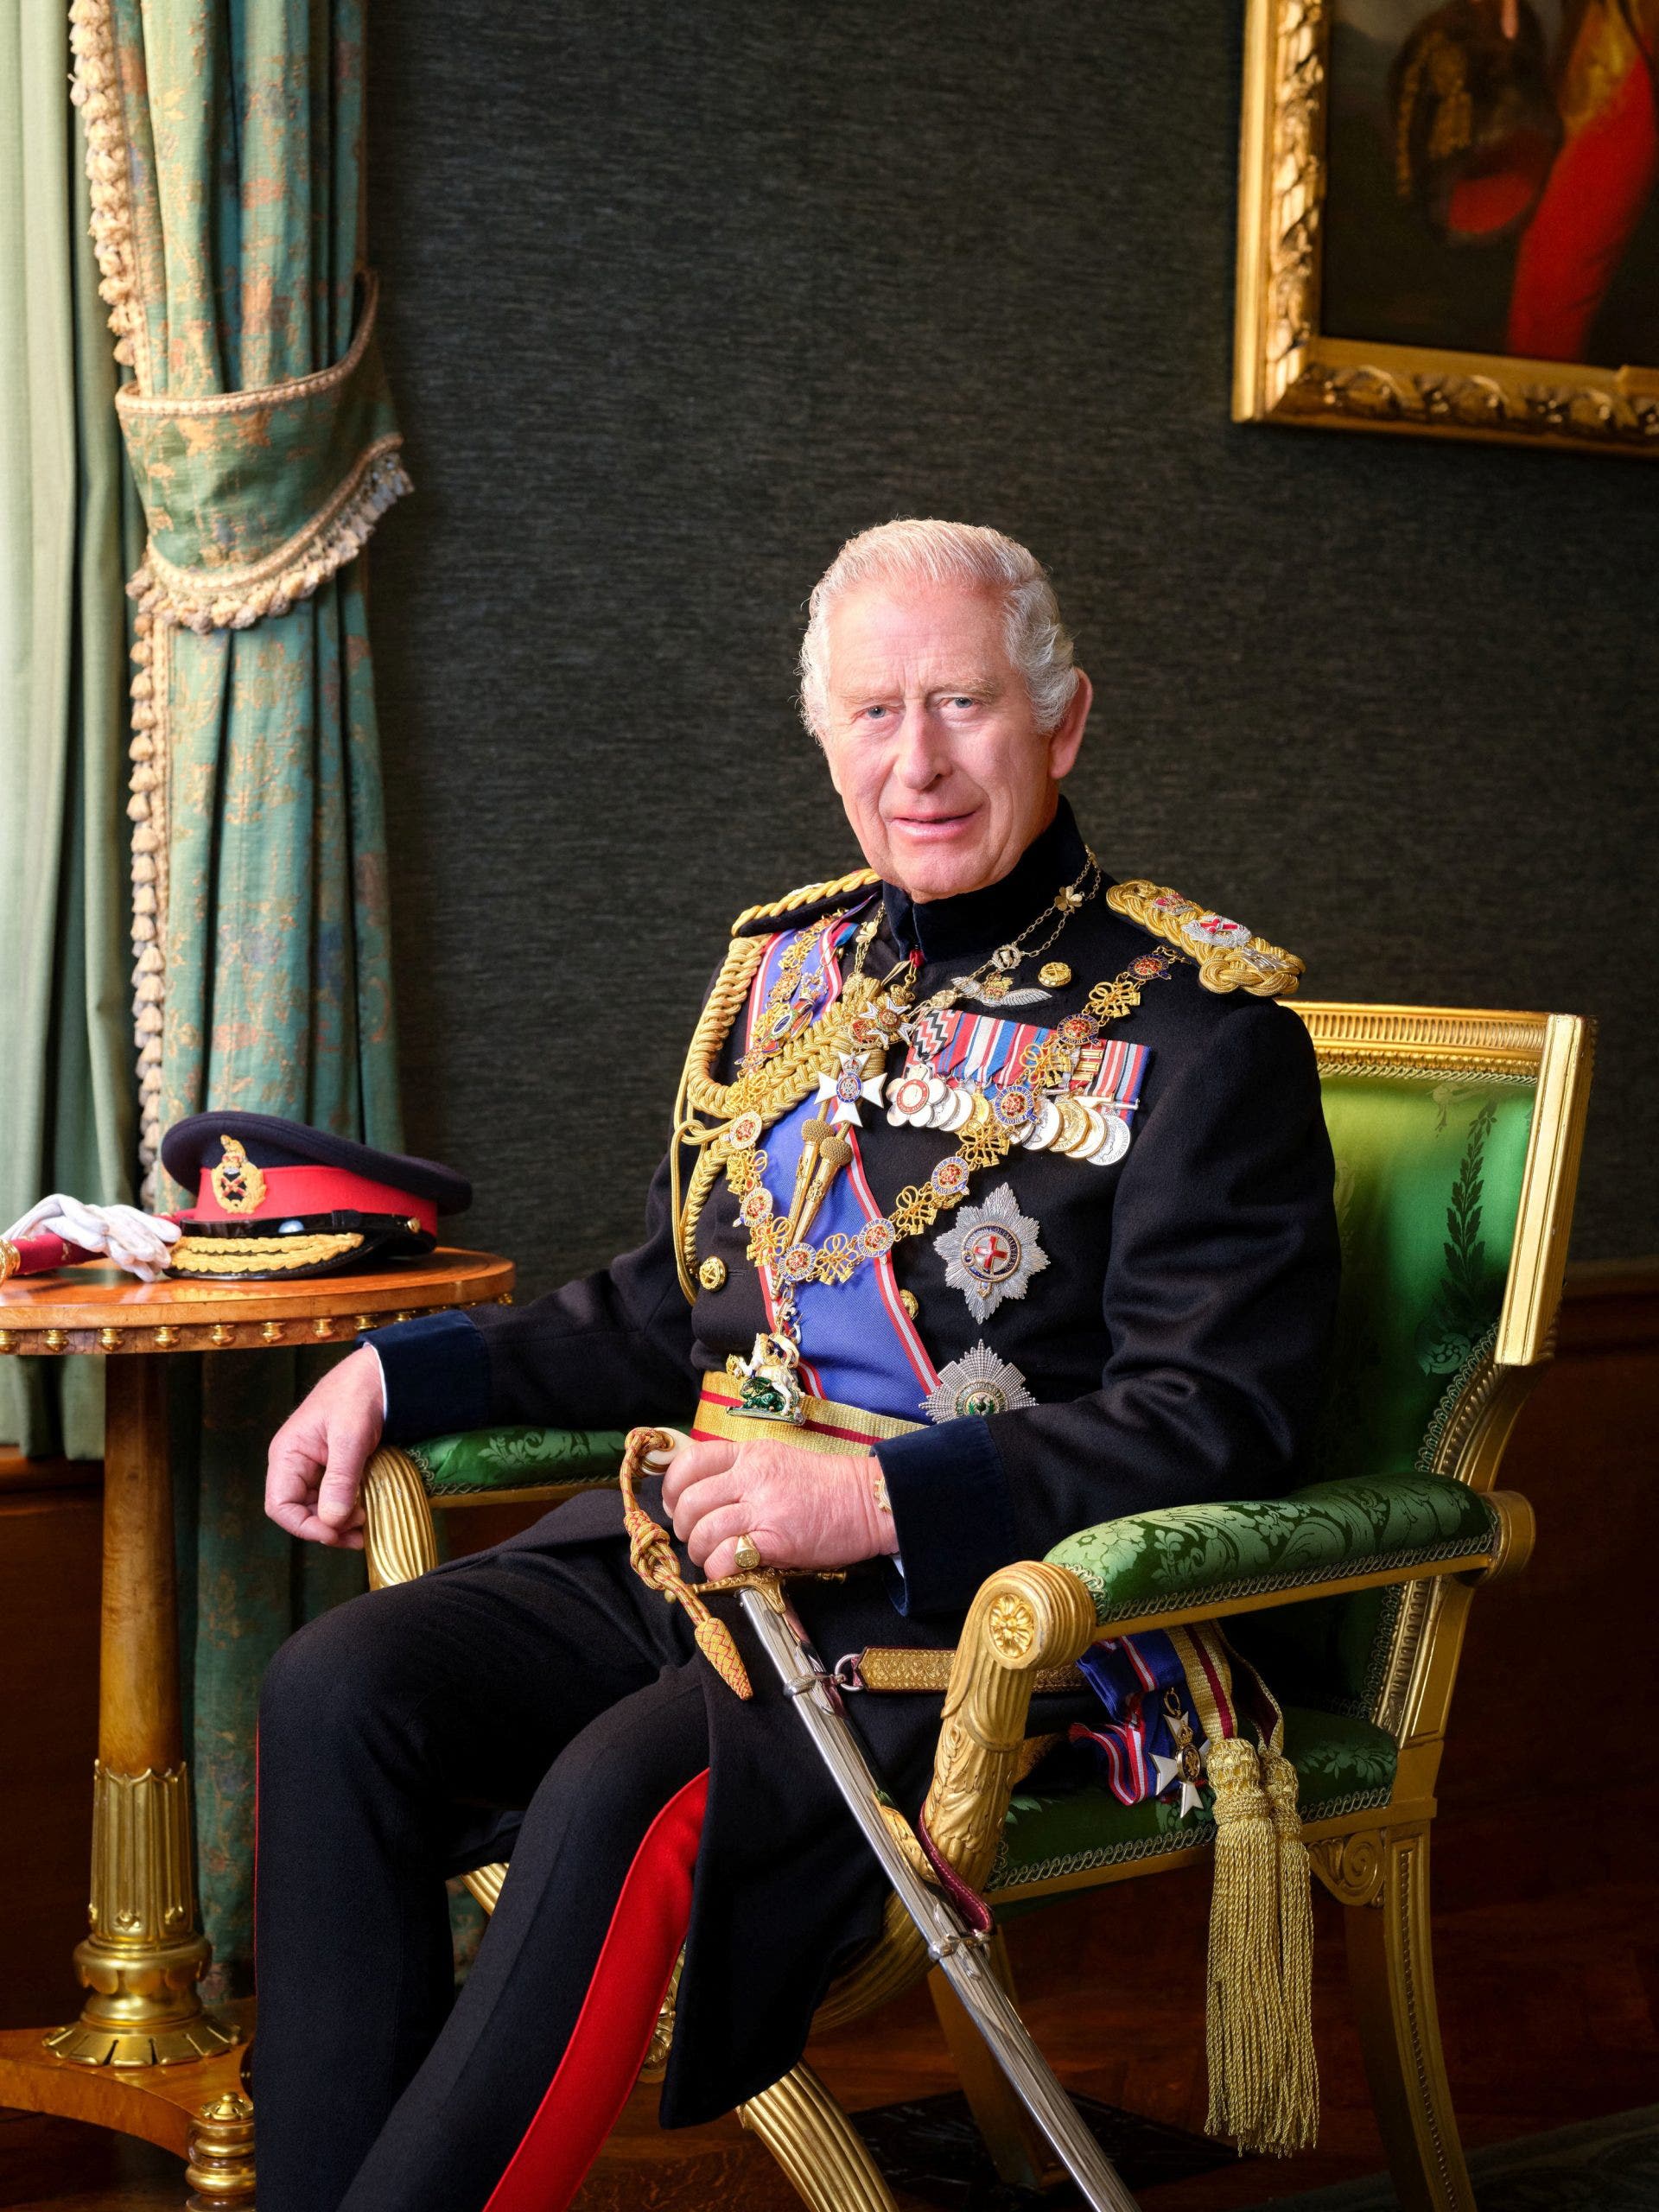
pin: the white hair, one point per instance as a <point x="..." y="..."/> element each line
<point x="916" y="550"/>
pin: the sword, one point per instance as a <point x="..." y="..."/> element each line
<point x="957" y="1948"/>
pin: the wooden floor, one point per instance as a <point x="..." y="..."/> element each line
<point x="1547" y="1950"/>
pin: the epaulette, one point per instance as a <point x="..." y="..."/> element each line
<point x="1229" y="958"/>
<point x="805" y="904"/>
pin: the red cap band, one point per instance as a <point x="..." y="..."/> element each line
<point x="298" y="1190"/>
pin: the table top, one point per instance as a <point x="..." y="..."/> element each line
<point x="100" y="1309"/>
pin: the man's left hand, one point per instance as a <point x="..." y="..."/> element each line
<point x="800" y="1509"/>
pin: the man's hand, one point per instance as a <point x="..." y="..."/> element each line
<point x="314" y="1473"/>
<point x="803" y="1509"/>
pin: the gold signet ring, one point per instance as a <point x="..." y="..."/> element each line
<point x="748" y="1554"/>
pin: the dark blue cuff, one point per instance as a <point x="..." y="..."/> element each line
<point x="437" y="1372"/>
<point x="952" y="1512"/>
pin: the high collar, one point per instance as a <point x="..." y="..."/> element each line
<point x="978" y="921"/>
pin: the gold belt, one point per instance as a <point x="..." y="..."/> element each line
<point x="826" y="1426"/>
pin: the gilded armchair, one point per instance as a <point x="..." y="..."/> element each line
<point x="1457" y="1137"/>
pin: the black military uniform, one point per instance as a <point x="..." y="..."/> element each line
<point x="1171" y="1327"/>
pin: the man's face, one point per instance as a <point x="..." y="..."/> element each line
<point x="930" y="738"/>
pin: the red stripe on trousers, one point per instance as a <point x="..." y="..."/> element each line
<point x="613" y="2033"/>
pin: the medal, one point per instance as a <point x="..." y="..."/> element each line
<point x="911" y="1099"/>
<point x="991" y="1252"/>
<point x="849" y="1088"/>
<point x="1187" y="1765"/>
<point x="977" y="1384"/>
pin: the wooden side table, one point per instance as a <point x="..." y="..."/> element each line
<point x="144" y="2056"/>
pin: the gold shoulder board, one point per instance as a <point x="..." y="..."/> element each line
<point x="1229" y="958"/>
<point x="758" y="921"/>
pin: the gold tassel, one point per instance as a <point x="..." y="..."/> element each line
<point x="651" y="1557"/>
<point x="1298" y="2097"/>
<point x="1245" y="2022"/>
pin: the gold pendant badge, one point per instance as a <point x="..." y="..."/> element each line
<point x="238" y="1183"/>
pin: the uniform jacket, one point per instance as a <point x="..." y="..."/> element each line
<point x="1174" y="1342"/>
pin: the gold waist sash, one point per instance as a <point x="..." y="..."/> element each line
<point x="828" y="1426"/>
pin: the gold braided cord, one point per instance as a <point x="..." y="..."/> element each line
<point x="650" y="1555"/>
<point x="687" y="1216"/>
<point x="721" y="1009"/>
<point x="241" y="1255"/>
<point x="1265" y="970"/>
<point x="771" y="1090"/>
<point x="810" y="894"/>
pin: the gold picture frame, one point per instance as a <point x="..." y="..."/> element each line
<point x="1286" y="369"/>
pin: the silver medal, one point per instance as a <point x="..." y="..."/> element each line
<point x="1114" y="1144"/>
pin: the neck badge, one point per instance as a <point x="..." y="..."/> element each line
<point x="991" y="1251"/>
<point x="849" y="1088"/>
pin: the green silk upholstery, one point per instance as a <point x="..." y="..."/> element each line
<point x="1427" y="1190"/>
<point x="1342" y="1763"/>
<point x="1189" y="1553"/>
<point x="1429" y="1184"/>
<point x="475" y="1463"/>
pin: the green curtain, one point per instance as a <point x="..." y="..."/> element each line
<point x="67" y="1121"/>
<point x="224" y="155"/>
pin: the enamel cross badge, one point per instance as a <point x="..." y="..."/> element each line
<point x="991" y="1252"/>
<point x="849" y="1088"/>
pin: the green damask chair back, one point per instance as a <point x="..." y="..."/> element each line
<point x="1431" y="1115"/>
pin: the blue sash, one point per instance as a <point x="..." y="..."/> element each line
<point x="859" y="1345"/>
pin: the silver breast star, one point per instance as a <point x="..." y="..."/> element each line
<point x="976" y="1384"/>
<point x="991" y="1251"/>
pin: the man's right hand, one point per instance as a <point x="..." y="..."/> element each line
<point x="314" y="1478"/>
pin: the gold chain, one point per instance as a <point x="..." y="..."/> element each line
<point x="985" y="1140"/>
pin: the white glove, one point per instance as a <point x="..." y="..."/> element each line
<point x="138" y="1241"/>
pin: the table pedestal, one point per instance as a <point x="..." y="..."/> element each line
<point x="144" y="2056"/>
<point x="145" y="1954"/>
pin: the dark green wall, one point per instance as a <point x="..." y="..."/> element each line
<point x="677" y="298"/>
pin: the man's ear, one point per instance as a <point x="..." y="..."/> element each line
<point x="1066" y="737"/>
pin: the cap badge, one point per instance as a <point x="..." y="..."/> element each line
<point x="238" y="1183"/>
<point x="977" y="1384"/>
<point x="991" y="1252"/>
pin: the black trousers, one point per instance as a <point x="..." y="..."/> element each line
<point x="545" y="1704"/>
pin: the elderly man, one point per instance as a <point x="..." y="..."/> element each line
<point x="994" y="1209"/>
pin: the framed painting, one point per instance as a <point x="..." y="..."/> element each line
<point x="1449" y="219"/>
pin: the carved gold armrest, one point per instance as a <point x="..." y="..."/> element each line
<point x="400" y="1538"/>
<point x="1024" y="1619"/>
